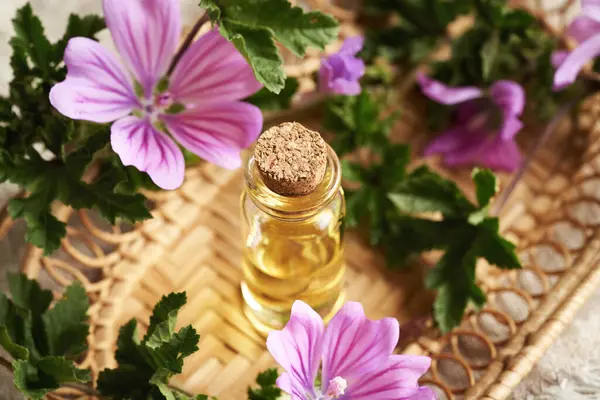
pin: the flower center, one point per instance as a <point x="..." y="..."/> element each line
<point x="486" y="117"/>
<point x="157" y="105"/>
<point x="337" y="387"/>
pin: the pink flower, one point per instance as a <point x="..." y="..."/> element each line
<point x="340" y="72"/>
<point x="199" y="107"/>
<point x="485" y="126"/>
<point x="354" y="353"/>
<point x="585" y="29"/>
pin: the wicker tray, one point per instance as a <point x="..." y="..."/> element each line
<point x="193" y="244"/>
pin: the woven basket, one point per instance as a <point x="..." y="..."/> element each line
<point x="193" y="243"/>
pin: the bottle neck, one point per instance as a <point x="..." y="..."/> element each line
<point x="288" y="207"/>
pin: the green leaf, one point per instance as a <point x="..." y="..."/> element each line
<point x="258" y="47"/>
<point x="66" y="323"/>
<point x="425" y="191"/>
<point x="494" y="248"/>
<point x="395" y="160"/>
<point x="269" y="101"/>
<point x="87" y="26"/>
<point x="160" y="379"/>
<point x="449" y="307"/>
<point x="169" y="354"/>
<point x="125" y="382"/>
<point x="16" y="351"/>
<point x="486" y="185"/>
<point x="30" y="38"/>
<point x="27" y="293"/>
<point x="358" y="121"/>
<point x="253" y="26"/>
<point x="353" y="172"/>
<point x="146" y="366"/>
<point x="35" y="380"/>
<point x="293" y="27"/>
<point x="127" y="345"/>
<point x="17" y="329"/>
<point x="416" y="235"/>
<point x="62" y="370"/>
<point x="489" y="51"/>
<point x="162" y="321"/>
<point x="44" y="230"/>
<point x="267" y="389"/>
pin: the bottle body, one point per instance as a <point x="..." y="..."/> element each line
<point x="293" y="248"/>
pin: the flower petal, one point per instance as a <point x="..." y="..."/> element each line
<point x="344" y="87"/>
<point x="558" y="57"/>
<point x="511" y="127"/>
<point x="444" y="94"/>
<point x="140" y="144"/>
<point x="352" y="45"/>
<point x="591" y="8"/>
<point x="582" y="28"/>
<point x="510" y="96"/>
<point x="354" y="344"/>
<point x="424" y="393"/>
<point x="396" y="378"/>
<point x="146" y="34"/>
<point x="297" y="348"/>
<point x="217" y="132"/>
<point x="568" y="70"/>
<point x="97" y="88"/>
<point x="447" y="142"/>
<point x="502" y="155"/>
<point x="212" y="70"/>
<point x="473" y="148"/>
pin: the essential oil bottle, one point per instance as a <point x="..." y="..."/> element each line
<point x="293" y="213"/>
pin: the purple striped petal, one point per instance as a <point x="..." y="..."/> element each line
<point x="558" y="57"/>
<point x="97" y="88"/>
<point x="394" y="379"/>
<point x="502" y="155"/>
<point x="511" y="127"/>
<point x="146" y="34"/>
<point x="217" y="132"/>
<point x="212" y="70"/>
<point x="297" y="348"/>
<point x="510" y="96"/>
<point x="569" y="69"/>
<point x="140" y="144"/>
<point x="354" y="345"/>
<point x="582" y="28"/>
<point x="444" y="94"/>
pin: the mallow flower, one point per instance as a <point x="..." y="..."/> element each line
<point x="340" y="72"/>
<point x="485" y="124"/>
<point x="352" y="359"/>
<point x="585" y="29"/>
<point x="197" y="106"/>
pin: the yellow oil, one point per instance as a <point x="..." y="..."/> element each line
<point x="286" y="261"/>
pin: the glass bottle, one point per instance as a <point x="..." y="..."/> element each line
<point x="293" y="247"/>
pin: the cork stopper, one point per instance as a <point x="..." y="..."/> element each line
<point x="291" y="159"/>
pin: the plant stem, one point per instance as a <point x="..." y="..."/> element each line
<point x="541" y="139"/>
<point x="188" y="41"/>
<point x="6" y="364"/>
<point x="83" y="388"/>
